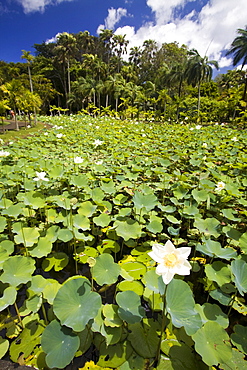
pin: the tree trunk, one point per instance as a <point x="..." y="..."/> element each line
<point x="199" y="99"/>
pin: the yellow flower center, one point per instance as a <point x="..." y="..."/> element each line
<point x="170" y="260"/>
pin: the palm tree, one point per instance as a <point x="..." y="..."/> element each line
<point x="65" y="49"/>
<point x="239" y="50"/>
<point x="120" y="47"/>
<point x="14" y="91"/>
<point x="199" y="70"/>
<point x="114" y="85"/>
<point x="29" y="58"/>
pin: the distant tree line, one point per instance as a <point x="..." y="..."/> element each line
<point x="84" y="73"/>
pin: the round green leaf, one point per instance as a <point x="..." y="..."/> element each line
<point x="65" y="235"/>
<point x="212" y="312"/>
<point x="144" y="340"/>
<point x="134" y="269"/>
<point x="218" y="272"/>
<point x="4" y="346"/>
<point x="135" y="286"/>
<point x="42" y="249"/>
<point x="128" y="229"/>
<point x="212" y="343"/>
<point x="27" y="236"/>
<point x="102" y="220"/>
<point x="239" y="270"/>
<point x="60" y="344"/>
<point x="106" y="271"/>
<point x="239" y="338"/>
<point x="75" y="304"/>
<point x="8" y="298"/>
<point x="130" y="309"/>
<point x="209" y="226"/>
<point x="148" y="201"/>
<point x="111" y="316"/>
<point x="180" y="305"/>
<point x="18" y="270"/>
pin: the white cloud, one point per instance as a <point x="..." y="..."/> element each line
<point x="210" y="29"/>
<point x="53" y="39"/>
<point x="114" y="16"/>
<point x="30" y="6"/>
<point x="164" y="10"/>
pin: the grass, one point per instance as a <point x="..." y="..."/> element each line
<point x="21" y="134"/>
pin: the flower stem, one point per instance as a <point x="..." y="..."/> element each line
<point x="19" y="316"/>
<point x="157" y="358"/>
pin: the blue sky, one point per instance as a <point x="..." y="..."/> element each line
<point x="206" y="25"/>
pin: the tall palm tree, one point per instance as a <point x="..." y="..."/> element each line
<point x="65" y="49"/>
<point x="29" y="58"/>
<point x="239" y="50"/>
<point x="198" y="70"/>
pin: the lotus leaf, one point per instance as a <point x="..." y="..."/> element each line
<point x="134" y="269"/>
<point x="102" y="220"/>
<point x="81" y="222"/>
<point x="111" y="315"/>
<point x="42" y="248"/>
<point x="60" y="344"/>
<point x="7" y="245"/>
<point x="147" y="201"/>
<point x="8" y="298"/>
<point x="239" y="270"/>
<point x="3" y="223"/>
<point x="56" y="260"/>
<point x="128" y="229"/>
<point x="106" y="271"/>
<point x="239" y="338"/>
<point x="180" y="305"/>
<point x="114" y="355"/>
<point x="213" y="249"/>
<point x="28" y="340"/>
<point x="212" y="343"/>
<point x="209" y="226"/>
<point x="144" y="340"/>
<point x="27" y="236"/>
<point x="17" y="270"/>
<point x="135" y="286"/>
<point x="218" y="272"/>
<point x="212" y="312"/>
<point x="65" y="235"/>
<point x="4" y="346"/>
<point x="75" y="303"/>
<point x="130" y="309"/>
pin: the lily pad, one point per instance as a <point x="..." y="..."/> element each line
<point x="106" y="271"/>
<point x="18" y="270"/>
<point x="60" y="344"/>
<point x="75" y="303"/>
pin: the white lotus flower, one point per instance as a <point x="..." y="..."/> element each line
<point x="59" y="136"/>
<point x="98" y="142"/>
<point x="78" y="160"/>
<point x="204" y="145"/>
<point x="170" y="260"/>
<point x="99" y="162"/>
<point x="40" y="176"/>
<point x="220" y="186"/>
<point x="45" y="133"/>
<point x="4" y="153"/>
<point x="198" y="127"/>
<point x="234" y="138"/>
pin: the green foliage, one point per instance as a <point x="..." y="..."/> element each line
<point x="74" y="250"/>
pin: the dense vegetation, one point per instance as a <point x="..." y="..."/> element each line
<point x="90" y="203"/>
<point x="81" y="72"/>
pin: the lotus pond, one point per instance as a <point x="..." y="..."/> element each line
<point x="82" y="204"/>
